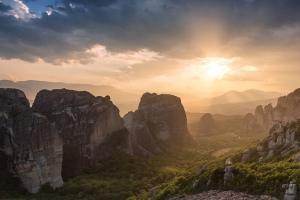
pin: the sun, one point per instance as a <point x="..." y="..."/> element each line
<point x="216" y="70"/>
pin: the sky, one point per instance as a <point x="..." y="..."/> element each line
<point x="191" y="46"/>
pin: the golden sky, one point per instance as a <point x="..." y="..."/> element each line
<point x="149" y="45"/>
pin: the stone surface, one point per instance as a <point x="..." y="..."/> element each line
<point x="228" y="161"/>
<point x="195" y="184"/>
<point x="222" y="195"/>
<point x="260" y="150"/>
<point x="143" y="140"/>
<point x="206" y="124"/>
<point x="270" y="154"/>
<point x="296" y="158"/>
<point x="291" y="192"/>
<point x="228" y="173"/>
<point x="38" y="151"/>
<point x="30" y="148"/>
<point x="152" y="191"/>
<point x="246" y="155"/>
<point x="287" y="110"/>
<point x="90" y="127"/>
<point x="159" y="119"/>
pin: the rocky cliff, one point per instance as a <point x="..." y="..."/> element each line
<point x="90" y="127"/>
<point x="287" y="110"/>
<point x="30" y="148"/>
<point x="159" y="119"/>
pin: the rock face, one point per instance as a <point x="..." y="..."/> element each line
<point x="143" y="141"/>
<point x="228" y="173"/>
<point x="286" y="110"/>
<point x="159" y="118"/>
<point x="38" y="151"/>
<point x="30" y="148"/>
<point x="207" y="123"/>
<point x="246" y="155"/>
<point x="90" y="127"/>
<point x="291" y="192"/>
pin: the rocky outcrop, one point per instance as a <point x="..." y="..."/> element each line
<point x="143" y="141"/>
<point x="286" y="110"/>
<point x="159" y="119"/>
<point x="38" y="151"/>
<point x="246" y="155"/>
<point x="207" y="124"/>
<point x="291" y="192"/>
<point x="228" y="175"/>
<point x="280" y="143"/>
<point x="224" y="195"/>
<point x="90" y="127"/>
<point x="30" y="148"/>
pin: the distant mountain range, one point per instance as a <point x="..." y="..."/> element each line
<point x="240" y="108"/>
<point x="31" y="88"/>
<point x="229" y="103"/>
<point x="235" y="96"/>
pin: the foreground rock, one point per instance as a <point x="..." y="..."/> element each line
<point x="222" y="195"/>
<point x="159" y="119"/>
<point x="90" y="127"/>
<point x="30" y="147"/>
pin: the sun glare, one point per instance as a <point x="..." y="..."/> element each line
<point x="216" y="70"/>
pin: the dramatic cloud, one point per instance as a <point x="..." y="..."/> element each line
<point x="4" y="8"/>
<point x="173" y="28"/>
<point x="18" y="9"/>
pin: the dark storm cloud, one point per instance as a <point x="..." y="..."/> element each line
<point x="4" y="8"/>
<point x="174" y="28"/>
<point x="101" y="3"/>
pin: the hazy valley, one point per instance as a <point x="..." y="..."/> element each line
<point x="168" y="151"/>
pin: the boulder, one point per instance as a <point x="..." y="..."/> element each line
<point x="260" y="150"/>
<point x="228" y="173"/>
<point x="90" y="127"/>
<point x="196" y="183"/>
<point x="246" y="155"/>
<point x="228" y="161"/>
<point x="152" y="191"/>
<point x="291" y="192"/>
<point x="270" y="154"/>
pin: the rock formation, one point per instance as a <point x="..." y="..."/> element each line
<point x="286" y="110"/>
<point x="159" y="119"/>
<point x="143" y="141"/>
<point x="38" y="151"/>
<point x="90" y="127"/>
<point x="283" y="142"/>
<point x="228" y="175"/>
<point x="291" y="192"/>
<point x="207" y="124"/>
<point x="246" y="155"/>
<point x="30" y="148"/>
